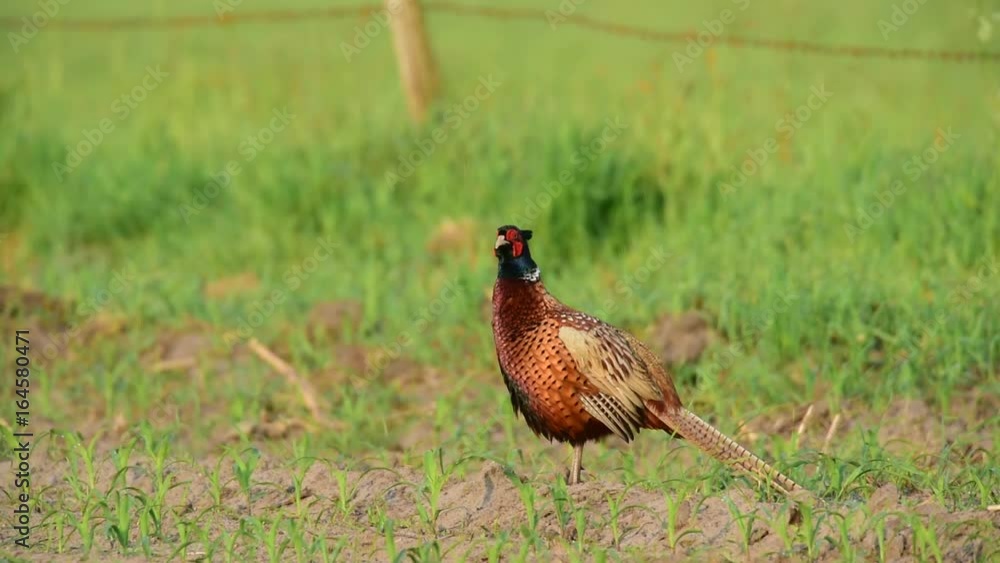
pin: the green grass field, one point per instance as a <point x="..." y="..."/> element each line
<point x="855" y="269"/>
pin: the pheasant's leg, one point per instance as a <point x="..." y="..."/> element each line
<point x="574" y="472"/>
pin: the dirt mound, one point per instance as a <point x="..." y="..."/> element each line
<point x="22" y="303"/>
<point x="681" y="338"/>
<point x="486" y="508"/>
<point x="907" y="427"/>
<point x="327" y="320"/>
<point x="621" y="518"/>
<point x="56" y="327"/>
<point x="458" y="237"/>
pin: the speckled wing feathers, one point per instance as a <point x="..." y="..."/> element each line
<point x="620" y="379"/>
<point x="622" y="420"/>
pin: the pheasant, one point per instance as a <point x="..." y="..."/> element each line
<point x="575" y="378"/>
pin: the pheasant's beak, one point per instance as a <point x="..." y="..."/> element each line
<point x="501" y="240"/>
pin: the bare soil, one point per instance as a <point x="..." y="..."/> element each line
<point x="477" y="507"/>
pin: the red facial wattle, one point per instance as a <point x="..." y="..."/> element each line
<point x="517" y="245"/>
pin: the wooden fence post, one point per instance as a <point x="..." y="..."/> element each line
<point x="417" y="68"/>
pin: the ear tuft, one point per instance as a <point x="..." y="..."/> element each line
<point x="526" y="235"/>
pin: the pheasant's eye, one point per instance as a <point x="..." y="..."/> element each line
<point x="512" y="235"/>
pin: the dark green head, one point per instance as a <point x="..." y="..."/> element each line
<point x="513" y="254"/>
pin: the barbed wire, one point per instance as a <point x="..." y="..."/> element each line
<point x="859" y="51"/>
<point x="173" y="22"/>
<point x="458" y="9"/>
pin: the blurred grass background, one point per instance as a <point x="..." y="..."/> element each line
<point x="656" y="186"/>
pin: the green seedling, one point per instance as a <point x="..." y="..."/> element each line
<point x="430" y="490"/>
<point x="674" y="500"/>
<point x="529" y="529"/>
<point x="562" y="504"/>
<point x="244" y="465"/>
<point x="745" y="522"/>
<point x="494" y="553"/>
<point x="119" y="517"/>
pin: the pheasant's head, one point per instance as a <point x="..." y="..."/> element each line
<point x="513" y="255"/>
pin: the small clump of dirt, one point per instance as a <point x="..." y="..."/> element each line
<point x="327" y="320"/>
<point x="228" y="286"/>
<point x="681" y="338"/>
<point x="54" y="328"/>
<point x="180" y="347"/>
<point x="351" y="358"/>
<point x="460" y="237"/>
<point x="265" y="429"/>
<point x="29" y="305"/>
